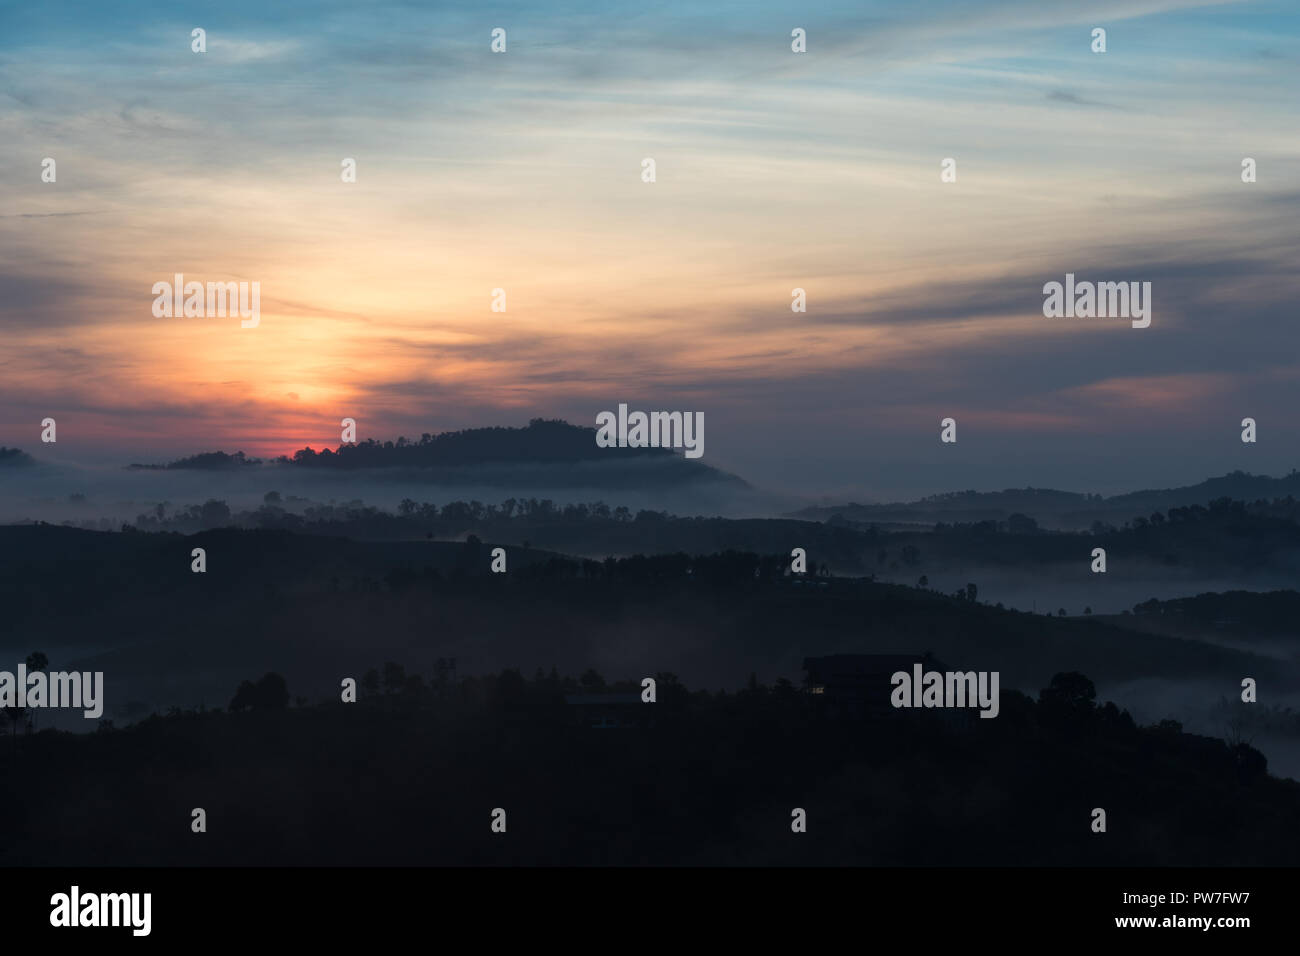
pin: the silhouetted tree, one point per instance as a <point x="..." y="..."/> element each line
<point x="271" y="692"/>
<point x="1070" y="698"/>
<point x="394" y="677"/>
<point x="36" y="661"/>
<point x="1021" y="524"/>
<point x="15" y="715"/>
<point x="214" y="513"/>
<point x="1251" y="764"/>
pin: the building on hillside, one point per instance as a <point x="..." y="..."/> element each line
<point x="861" y="684"/>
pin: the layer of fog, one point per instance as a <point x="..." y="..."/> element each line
<point x="108" y="497"/>
<point x="1209" y="708"/>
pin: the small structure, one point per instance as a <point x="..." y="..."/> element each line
<point x="860" y="684"/>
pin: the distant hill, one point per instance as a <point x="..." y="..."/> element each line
<point x="207" y="461"/>
<point x="15" y="458"/>
<point x="542" y="441"/>
<point x="1058" y="509"/>
<point x="546" y="451"/>
<point x="1238" y="485"/>
<point x="304" y="601"/>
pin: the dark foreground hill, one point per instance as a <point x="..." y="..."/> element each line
<point x="412" y="771"/>
<point x="414" y="774"/>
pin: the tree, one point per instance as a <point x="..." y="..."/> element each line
<point x="15" y="715"/>
<point x="444" y="671"/>
<point x="271" y="692"/>
<point x="972" y="592"/>
<point x="924" y="582"/>
<point x="36" y="661"/>
<point x="471" y="553"/>
<point x="1070" y="696"/>
<point x="214" y="513"/>
<point x="1251" y="764"/>
<point x="591" y="680"/>
<point x="1021" y="524"/>
<point x="668" y="688"/>
<point x="394" y="677"/>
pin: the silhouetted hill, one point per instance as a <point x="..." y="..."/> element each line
<point x="1259" y="620"/>
<point x="312" y="606"/>
<point x="542" y="441"/>
<point x="1224" y="539"/>
<point x="207" y="461"/>
<point x="544" y="453"/>
<point x="14" y="457"/>
<point x="1268" y="611"/>
<point x="410" y="772"/>
<point x="1058" y="509"/>
<point x="1238" y="485"/>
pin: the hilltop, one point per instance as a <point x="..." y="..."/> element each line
<point x="1058" y="509"/>
<point x="545" y="451"/>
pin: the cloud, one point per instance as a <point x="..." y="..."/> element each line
<point x="46" y="215"/>
<point x="1065" y="96"/>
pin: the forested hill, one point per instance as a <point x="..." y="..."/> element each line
<point x="1062" y="509"/>
<point x="542" y="441"/>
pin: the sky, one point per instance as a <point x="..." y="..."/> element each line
<point x="775" y="170"/>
